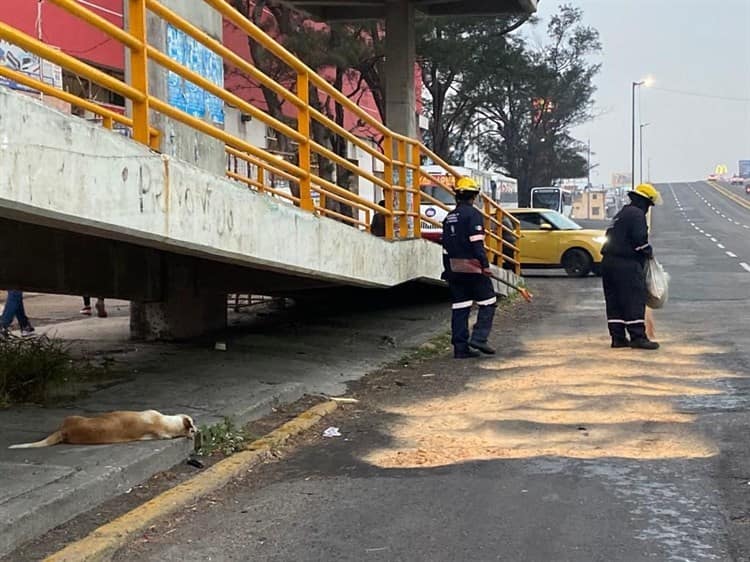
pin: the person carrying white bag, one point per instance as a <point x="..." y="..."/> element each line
<point x="657" y="285"/>
<point x="626" y="254"/>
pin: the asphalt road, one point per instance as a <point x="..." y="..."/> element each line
<point x="559" y="449"/>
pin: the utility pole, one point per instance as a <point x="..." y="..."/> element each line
<point x="643" y="126"/>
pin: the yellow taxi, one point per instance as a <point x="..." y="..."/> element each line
<point x="550" y="240"/>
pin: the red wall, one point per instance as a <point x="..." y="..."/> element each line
<point x="70" y="34"/>
<point x="83" y="41"/>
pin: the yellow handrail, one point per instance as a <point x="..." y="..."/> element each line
<point x="401" y="157"/>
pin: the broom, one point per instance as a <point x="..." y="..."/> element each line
<point x="473" y="266"/>
<point x="650" y="329"/>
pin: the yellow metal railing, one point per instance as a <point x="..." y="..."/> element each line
<point x="398" y="156"/>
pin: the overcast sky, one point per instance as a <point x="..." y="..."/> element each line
<point x="700" y="46"/>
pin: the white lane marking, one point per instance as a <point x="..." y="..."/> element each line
<point x="731" y="255"/>
<point x="722" y="246"/>
<point x="713" y="239"/>
<point x="745" y="266"/>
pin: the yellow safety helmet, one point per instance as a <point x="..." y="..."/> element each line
<point x="467" y="185"/>
<point x="649" y="192"/>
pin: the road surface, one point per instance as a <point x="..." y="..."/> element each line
<point x="558" y="449"/>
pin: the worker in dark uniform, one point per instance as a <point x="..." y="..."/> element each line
<point x="623" y="274"/>
<point x="466" y="270"/>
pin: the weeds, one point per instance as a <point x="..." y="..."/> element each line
<point x="222" y="437"/>
<point x="34" y="369"/>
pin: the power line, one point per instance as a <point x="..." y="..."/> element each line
<point x="700" y="95"/>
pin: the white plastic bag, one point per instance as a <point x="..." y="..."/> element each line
<point x="657" y="284"/>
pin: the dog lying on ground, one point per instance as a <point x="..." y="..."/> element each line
<point x="117" y="427"/>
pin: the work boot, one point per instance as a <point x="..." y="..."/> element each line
<point x="618" y="343"/>
<point x="484" y="347"/>
<point x="644" y="343"/>
<point x="465" y="354"/>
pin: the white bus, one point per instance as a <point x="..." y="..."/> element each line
<point x="502" y="189"/>
<point x="559" y="199"/>
<point x="505" y="191"/>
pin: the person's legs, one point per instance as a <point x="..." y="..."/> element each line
<point x="101" y="312"/>
<point x="485" y="297"/>
<point x="11" y="308"/>
<point x="23" y="321"/>
<point x="611" y="281"/>
<point x="635" y="309"/>
<point x="461" y="303"/>
<point x="86" y="310"/>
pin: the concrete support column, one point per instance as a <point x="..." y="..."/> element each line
<point x="186" y="309"/>
<point x="400" y="53"/>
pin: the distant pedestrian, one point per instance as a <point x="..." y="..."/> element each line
<point x="101" y="312"/>
<point x="377" y="226"/>
<point x="14" y="309"/>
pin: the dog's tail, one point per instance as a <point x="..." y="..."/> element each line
<point x="54" y="439"/>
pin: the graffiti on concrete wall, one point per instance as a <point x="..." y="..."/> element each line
<point x="182" y="93"/>
<point x="15" y="58"/>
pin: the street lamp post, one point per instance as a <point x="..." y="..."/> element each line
<point x="640" y="143"/>
<point x="646" y="82"/>
<point x="632" y="144"/>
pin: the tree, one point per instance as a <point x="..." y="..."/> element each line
<point x="342" y="53"/>
<point x="535" y="98"/>
<point x="446" y="51"/>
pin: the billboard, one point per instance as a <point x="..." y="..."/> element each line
<point x="744" y="168"/>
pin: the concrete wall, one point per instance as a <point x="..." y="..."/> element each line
<point x="70" y="174"/>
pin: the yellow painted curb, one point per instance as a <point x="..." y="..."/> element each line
<point x="103" y="542"/>
<point x="729" y="194"/>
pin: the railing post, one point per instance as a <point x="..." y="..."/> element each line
<point x="139" y="70"/>
<point x="517" y="251"/>
<point x="499" y="216"/>
<point x="403" y="201"/>
<point x="261" y="177"/>
<point x="303" y="127"/>
<point x="488" y="239"/>
<point x="416" y="159"/>
<point x="388" y="196"/>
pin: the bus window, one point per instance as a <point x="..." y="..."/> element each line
<point x="546" y="199"/>
<point x="438" y="192"/>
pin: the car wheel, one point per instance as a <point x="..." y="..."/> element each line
<point x="596" y="269"/>
<point x="577" y="263"/>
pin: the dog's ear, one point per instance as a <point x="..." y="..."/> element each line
<point x="188" y="423"/>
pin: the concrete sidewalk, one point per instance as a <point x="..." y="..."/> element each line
<point x="265" y="364"/>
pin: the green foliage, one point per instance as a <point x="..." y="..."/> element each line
<point x="222" y="437"/>
<point x="33" y="370"/>
<point x="518" y="100"/>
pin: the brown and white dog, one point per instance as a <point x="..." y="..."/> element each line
<point x="117" y="427"/>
